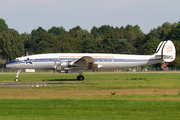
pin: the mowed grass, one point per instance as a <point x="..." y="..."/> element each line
<point x="65" y="109"/>
<point x="148" y="96"/>
<point x="48" y="76"/>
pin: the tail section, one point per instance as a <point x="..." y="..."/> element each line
<point x="166" y="50"/>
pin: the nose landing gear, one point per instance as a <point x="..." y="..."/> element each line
<point x="16" y="79"/>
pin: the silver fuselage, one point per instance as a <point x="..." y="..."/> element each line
<point x="104" y="61"/>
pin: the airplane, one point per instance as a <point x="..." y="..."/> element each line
<point x="78" y="62"/>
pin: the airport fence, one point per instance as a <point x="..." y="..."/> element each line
<point x="135" y="69"/>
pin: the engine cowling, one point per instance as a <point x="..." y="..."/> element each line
<point x="66" y="64"/>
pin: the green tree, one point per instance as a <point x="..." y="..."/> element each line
<point x="175" y="33"/>
<point x="150" y="46"/>
<point x="3" y="26"/>
<point x="12" y="44"/>
<point x="141" y="40"/>
<point x="66" y="44"/>
<point x="123" y="47"/>
<point x="137" y="30"/>
<point x="110" y="38"/>
<point x="95" y="31"/>
<point x="108" y="45"/>
<point x="131" y="37"/>
<point x="121" y="32"/>
<point x="41" y="42"/>
<point x="165" y="30"/>
<point x="89" y="46"/>
<point x="73" y="31"/>
<point x="83" y="40"/>
<point x="57" y="31"/>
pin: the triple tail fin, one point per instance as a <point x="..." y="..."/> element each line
<point x="166" y="51"/>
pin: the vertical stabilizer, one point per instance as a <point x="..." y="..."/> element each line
<point x="169" y="52"/>
<point x="159" y="48"/>
<point x="166" y="50"/>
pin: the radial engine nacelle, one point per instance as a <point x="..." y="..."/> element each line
<point x="66" y="64"/>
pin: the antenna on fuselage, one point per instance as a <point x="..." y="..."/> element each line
<point x="27" y="53"/>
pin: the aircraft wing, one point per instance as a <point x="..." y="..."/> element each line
<point x="85" y="62"/>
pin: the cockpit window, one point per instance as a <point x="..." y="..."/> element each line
<point x="16" y="60"/>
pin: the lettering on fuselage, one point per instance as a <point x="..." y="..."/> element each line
<point x="83" y="56"/>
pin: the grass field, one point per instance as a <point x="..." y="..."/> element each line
<point x="111" y="96"/>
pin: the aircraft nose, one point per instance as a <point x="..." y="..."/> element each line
<point x="12" y="64"/>
<point x="8" y="65"/>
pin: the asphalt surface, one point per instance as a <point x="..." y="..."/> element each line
<point x="33" y="84"/>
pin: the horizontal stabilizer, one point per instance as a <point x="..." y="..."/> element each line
<point x="166" y="50"/>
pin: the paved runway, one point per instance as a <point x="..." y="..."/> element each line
<point x="33" y="84"/>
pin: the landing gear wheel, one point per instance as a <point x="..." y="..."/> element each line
<point x="80" y="77"/>
<point x="16" y="79"/>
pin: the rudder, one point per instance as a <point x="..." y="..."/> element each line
<point x="166" y="50"/>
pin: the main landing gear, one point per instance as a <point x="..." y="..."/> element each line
<point x="16" y="79"/>
<point x="80" y="77"/>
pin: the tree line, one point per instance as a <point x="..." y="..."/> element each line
<point x="104" y="39"/>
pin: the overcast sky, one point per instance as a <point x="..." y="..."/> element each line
<point x="26" y="15"/>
